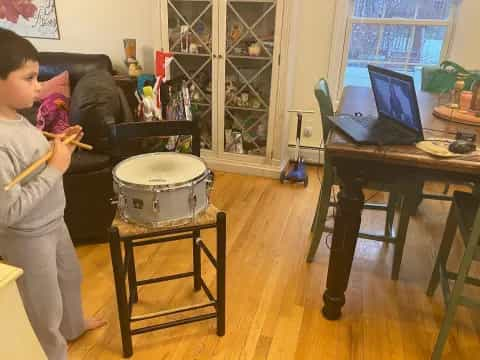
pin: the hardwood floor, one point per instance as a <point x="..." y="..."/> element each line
<point x="274" y="297"/>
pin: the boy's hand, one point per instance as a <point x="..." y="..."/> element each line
<point x="77" y="129"/>
<point x="61" y="157"/>
<point x="62" y="153"/>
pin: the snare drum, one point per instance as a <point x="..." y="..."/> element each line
<point x="159" y="187"/>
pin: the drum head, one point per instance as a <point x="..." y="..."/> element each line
<point x="160" y="169"/>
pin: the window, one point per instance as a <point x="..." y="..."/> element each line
<point x="402" y="35"/>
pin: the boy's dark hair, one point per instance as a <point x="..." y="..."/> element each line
<point x="15" y="51"/>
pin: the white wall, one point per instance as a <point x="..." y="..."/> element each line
<point x="465" y="48"/>
<point x="98" y="26"/>
<point x="314" y="50"/>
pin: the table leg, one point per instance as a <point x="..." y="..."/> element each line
<point x="345" y="232"/>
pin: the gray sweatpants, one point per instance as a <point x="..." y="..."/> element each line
<point x="50" y="285"/>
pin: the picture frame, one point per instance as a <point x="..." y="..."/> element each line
<point x="31" y="19"/>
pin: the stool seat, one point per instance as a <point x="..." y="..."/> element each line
<point x="129" y="229"/>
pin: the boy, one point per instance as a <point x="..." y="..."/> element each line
<point x="33" y="234"/>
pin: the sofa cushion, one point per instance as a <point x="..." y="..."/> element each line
<point x="88" y="161"/>
<point x="77" y="65"/>
<point x="95" y="105"/>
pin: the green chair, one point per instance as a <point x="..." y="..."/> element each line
<point x="322" y="94"/>
<point x="465" y="215"/>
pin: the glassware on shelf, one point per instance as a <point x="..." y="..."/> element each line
<point x="249" y="66"/>
<point x="190" y="26"/>
<point x="234" y="141"/>
<point x="254" y="49"/>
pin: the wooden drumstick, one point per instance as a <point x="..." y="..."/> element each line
<point x="36" y="164"/>
<point x="74" y="142"/>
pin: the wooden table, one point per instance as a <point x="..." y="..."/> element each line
<point x="356" y="165"/>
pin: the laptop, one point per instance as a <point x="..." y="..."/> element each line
<point x="398" y="121"/>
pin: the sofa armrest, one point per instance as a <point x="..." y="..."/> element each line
<point x="125" y="106"/>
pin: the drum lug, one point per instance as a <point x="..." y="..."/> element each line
<point x="193" y="201"/>
<point x="156" y="203"/>
<point x="122" y="201"/>
<point x="210" y="176"/>
<point x="156" y="206"/>
<point x="209" y="181"/>
<point x="137" y="204"/>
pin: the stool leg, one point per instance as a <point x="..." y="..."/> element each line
<point x="443" y="251"/>
<point x="132" y="274"/>
<point x="401" y="235"/>
<point x="121" y="291"/>
<point x="392" y="202"/>
<point x="315" y="219"/>
<point x="322" y="211"/>
<point x="197" y="262"/>
<point x="221" y="263"/>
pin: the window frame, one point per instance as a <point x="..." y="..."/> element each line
<point x="341" y="36"/>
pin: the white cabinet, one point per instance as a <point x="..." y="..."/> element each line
<point x="234" y="55"/>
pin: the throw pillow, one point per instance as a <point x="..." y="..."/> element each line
<point x="59" y="84"/>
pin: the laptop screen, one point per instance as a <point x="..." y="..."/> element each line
<point x="395" y="97"/>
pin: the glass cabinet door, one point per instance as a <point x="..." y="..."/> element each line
<point x="190" y="37"/>
<point x="250" y="27"/>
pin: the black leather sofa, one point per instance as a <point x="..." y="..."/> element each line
<point x="88" y="182"/>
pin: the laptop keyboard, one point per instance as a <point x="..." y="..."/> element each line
<point x="380" y="130"/>
<point x="363" y="121"/>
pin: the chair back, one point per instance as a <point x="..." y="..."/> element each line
<point x="135" y="138"/>
<point x="322" y="93"/>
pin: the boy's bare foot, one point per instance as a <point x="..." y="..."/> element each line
<point x="93" y="323"/>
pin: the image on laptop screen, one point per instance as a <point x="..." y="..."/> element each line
<point x="395" y="97"/>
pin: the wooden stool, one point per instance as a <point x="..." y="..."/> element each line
<point x="124" y="268"/>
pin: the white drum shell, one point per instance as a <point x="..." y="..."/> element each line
<point x="155" y="205"/>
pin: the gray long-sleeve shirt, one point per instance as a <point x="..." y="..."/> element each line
<point x="39" y="200"/>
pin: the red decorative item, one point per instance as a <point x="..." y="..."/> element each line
<point x="163" y="60"/>
<point x="12" y="9"/>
